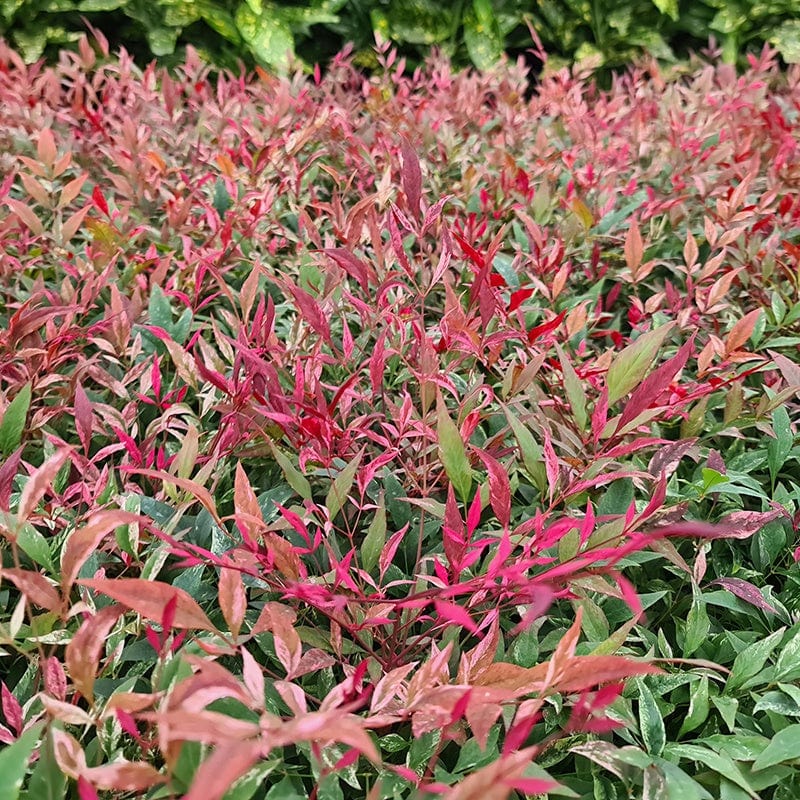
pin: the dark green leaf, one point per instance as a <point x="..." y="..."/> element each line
<point x="13" y="425"/>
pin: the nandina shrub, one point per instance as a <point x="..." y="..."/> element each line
<point x="337" y="412"/>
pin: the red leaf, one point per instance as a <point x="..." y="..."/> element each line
<point x="387" y="556"/>
<point x="149" y="599"/>
<point x="654" y="385"/>
<point x="8" y="472"/>
<point x="99" y="200"/>
<point x="474" y="513"/>
<point x="85" y="790"/>
<point x="634" y="249"/>
<point x="738" y="525"/>
<point x="310" y="312"/>
<point x="540" y="330"/>
<point x="470" y="252"/>
<point x="124" y="776"/>
<point x="518" y="298"/>
<point x="201" y="494"/>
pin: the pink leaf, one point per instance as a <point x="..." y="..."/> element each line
<point x="746" y="591"/>
<point x="310" y="311"/>
<point x="150" y="599"/>
<point x="499" y="487"/>
<point x="387" y="556"/>
<point x="37" y="484"/>
<point x="222" y="769"/>
<point x="550" y="464"/>
<point x="411" y="175"/>
<point x="12" y="710"/>
<point x="455" y="614"/>
<point x="55" y="681"/>
<point x="352" y="266"/>
<point x="83" y="417"/>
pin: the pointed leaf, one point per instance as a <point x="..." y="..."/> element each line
<point x="86" y="647"/>
<point x="341" y="486"/>
<point x="630" y="365"/>
<point x="452" y="453"/>
<point x="13" y="425"/>
<point x="150" y="598"/>
<point x="14" y="762"/>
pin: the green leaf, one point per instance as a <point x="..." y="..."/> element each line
<point x="668" y="7"/>
<point x="285" y="790"/>
<point x="727" y="707"/>
<point x="13" y="425"/>
<point x="222" y="200"/>
<point x="340" y="488"/>
<point x="293" y="476"/>
<point x="482" y="35"/>
<point x="741" y="747"/>
<point x="504" y="265"/>
<point x="632" y="364"/>
<point x="14" y="762"/>
<point x="787" y="40"/>
<point x="778" y="703"/>
<point x="247" y="786"/>
<point x="162" y="41"/>
<point x="651" y="724"/>
<point x="393" y="743"/>
<point x="372" y="546"/>
<point x="785" y="746"/>
<point x="697" y="623"/>
<point x="35" y="546"/>
<point x="100" y="5"/>
<point x="47" y="781"/>
<point x="679" y="786"/>
<point x="617" y="498"/>
<point x="779" y="447"/>
<point x="574" y="389"/>
<point x="268" y="35"/>
<point x="532" y="454"/>
<point x="787" y="667"/>
<point x="719" y="763"/>
<point x="453" y="454"/>
<point x="751" y="660"/>
<point x="698" y="706"/>
<point x="159" y="309"/>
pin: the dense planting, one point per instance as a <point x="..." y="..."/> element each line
<point x="272" y="33"/>
<point x="398" y="436"/>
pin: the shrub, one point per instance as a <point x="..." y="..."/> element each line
<point x="343" y="418"/>
<point x="271" y="32"/>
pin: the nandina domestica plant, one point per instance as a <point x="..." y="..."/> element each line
<point x="337" y="413"/>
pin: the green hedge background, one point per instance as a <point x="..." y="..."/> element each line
<point x="476" y="32"/>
